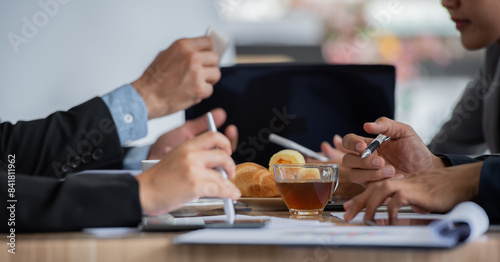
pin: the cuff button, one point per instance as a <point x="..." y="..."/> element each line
<point x="128" y="118"/>
<point x="97" y="154"/>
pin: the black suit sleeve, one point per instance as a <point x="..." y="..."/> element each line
<point x="82" y="138"/>
<point x="35" y="155"/>
<point x="489" y="183"/>
<point x="489" y="188"/>
<point x="80" y="201"/>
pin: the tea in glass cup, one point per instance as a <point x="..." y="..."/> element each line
<point x="306" y="188"/>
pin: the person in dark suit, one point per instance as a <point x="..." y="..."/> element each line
<point x="427" y="182"/>
<point x="474" y="125"/>
<point x="472" y="128"/>
<point x="38" y="157"/>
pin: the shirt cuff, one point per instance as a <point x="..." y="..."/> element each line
<point x="134" y="156"/>
<point x="129" y="113"/>
<point x="456" y="160"/>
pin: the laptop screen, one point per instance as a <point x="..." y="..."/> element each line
<point x="304" y="103"/>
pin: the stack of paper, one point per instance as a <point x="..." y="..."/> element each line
<point x="466" y="222"/>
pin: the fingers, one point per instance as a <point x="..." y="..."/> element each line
<point x="232" y="134"/>
<point x="393" y="207"/>
<point x="215" y="158"/>
<point x="332" y="153"/>
<point x="219" y="116"/>
<point x="198" y="125"/>
<point x="211" y="181"/>
<point x="379" y="194"/>
<point x="337" y="142"/>
<point x="204" y="43"/>
<point x="363" y="200"/>
<point x="354" y="206"/>
<point x="210" y="140"/>
<point x="212" y="75"/>
<point x="209" y="59"/>
<point x="211" y="184"/>
<point x="393" y="192"/>
<point x="388" y="192"/>
<point x="389" y="127"/>
<point x="355" y="143"/>
<point x="372" y="198"/>
<point x="203" y="47"/>
<point x="372" y="162"/>
<point x="365" y="177"/>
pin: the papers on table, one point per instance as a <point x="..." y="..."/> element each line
<point x="447" y="232"/>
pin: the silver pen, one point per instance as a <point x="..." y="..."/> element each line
<point x="373" y="145"/>
<point x="228" y="203"/>
<point x="293" y="145"/>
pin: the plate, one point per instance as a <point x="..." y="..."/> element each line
<point x="203" y="202"/>
<point x="194" y="207"/>
<point x="264" y="203"/>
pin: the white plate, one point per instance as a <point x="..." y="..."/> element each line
<point x="264" y="203"/>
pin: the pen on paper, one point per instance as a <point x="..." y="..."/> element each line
<point x="228" y="203"/>
<point x="374" y="145"/>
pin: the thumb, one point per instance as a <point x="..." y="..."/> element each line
<point x="389" y="127"/>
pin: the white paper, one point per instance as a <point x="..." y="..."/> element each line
<point x="468" y="212"/>
<point x="298" y="232"/>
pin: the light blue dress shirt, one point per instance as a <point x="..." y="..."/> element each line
<point x="130" y="115"/>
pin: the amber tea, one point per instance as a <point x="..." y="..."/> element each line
<point x="305" y="197"/>
<point x="306" y="188"/>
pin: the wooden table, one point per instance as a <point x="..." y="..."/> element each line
<point x="150" y="247"/>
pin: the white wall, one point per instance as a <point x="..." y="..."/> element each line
<point x="87" y="48"/>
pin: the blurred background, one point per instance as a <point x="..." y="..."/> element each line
<point x="55" y="54"/>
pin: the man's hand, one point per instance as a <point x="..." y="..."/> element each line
<point x="187" y="172"/>
<point x="179" y="77"/>
<point x="436" y="190"/>
<point x="189" y="130"/>
<point x="346" y="189"/>
<point x="403" y="154"/>
<point x="335" y="153"/>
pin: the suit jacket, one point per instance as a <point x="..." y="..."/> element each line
<point x="36" y="158"/>
<point x="489" y="183"/>
<point x="474" y="124"/>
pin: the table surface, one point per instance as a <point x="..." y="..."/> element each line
<point x="150" y="247"/>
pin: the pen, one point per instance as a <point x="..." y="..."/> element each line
<point x="228" y="203"/>
<point x="373" y="145"/>
<point x="292" y="145"/>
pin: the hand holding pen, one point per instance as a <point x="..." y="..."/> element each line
<point x="373" y="145"/>
<point x="228" y="203"/>
<point x="403" y="154"/>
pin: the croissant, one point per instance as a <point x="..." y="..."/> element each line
<point x="254" y="180"/>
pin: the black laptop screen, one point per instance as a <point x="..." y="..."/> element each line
<point x="305" y="103"/>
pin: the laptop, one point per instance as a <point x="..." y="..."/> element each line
<point x="307" y="104"/>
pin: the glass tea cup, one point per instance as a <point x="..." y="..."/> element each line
<point x="306" y="188"/>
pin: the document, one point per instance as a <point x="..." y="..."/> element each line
<point x="466" y="222"/>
